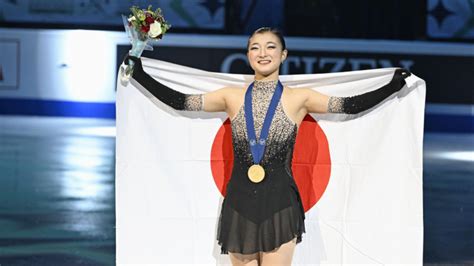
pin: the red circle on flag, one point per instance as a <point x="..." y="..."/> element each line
<point x="311" y="164"/>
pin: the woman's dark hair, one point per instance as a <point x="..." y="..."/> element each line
<point x="272" y="30"/>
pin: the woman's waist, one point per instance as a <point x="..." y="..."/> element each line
<point x="268" y="166"/>
<point x="274" y="173"/>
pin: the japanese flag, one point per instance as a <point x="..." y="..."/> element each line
<point x="359" y="176"/>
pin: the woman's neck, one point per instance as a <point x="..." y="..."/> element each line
<point x="272" y="76"/>
<point x="265" y="80"/>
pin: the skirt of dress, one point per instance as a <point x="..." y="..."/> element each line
<point x="237" y="234"/>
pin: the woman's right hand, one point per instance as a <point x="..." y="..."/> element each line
<point x="132" y="66"/>
<point x="137" y="49"/>
<point x="134" y="62"/>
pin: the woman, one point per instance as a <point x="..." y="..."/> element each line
<point x="262" y="216"/>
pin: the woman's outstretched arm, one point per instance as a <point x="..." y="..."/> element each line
<point x="319" y="103"/>
<point x="212" y="101"/>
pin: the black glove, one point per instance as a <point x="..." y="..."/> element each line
<point x="400" y="75"/>
<point x="173" y="98"/>
<point x="137" y="62"/>
<point x="358" y="103"/>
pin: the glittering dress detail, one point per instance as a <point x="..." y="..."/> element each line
<point x="335" y="104"/>
<point x="193" y="102"/>
<point x="261" y="216"/>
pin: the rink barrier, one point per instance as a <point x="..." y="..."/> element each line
<point x="438" y="117"/>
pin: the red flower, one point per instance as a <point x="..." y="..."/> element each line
<point x="145" y="29"/>
<point x="149" y="20"/>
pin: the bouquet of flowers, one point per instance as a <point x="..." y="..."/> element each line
<point x="143" y="26"/>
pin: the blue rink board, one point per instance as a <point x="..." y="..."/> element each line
<point x="438" y="117"/>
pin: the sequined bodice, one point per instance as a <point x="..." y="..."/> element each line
<point x="260" y="216"/>
<point x="282" y="135"/>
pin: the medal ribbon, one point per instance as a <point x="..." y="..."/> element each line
<point x="258" y="147"/>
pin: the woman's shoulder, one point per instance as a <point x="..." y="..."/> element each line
<point x="233" y="89"/>
<point x="229" y="92"/>
<point x="295" y="91"/>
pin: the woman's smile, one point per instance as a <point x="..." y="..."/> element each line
<point x="264" y="61"/>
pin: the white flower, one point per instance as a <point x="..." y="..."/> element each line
<point x="131" y="19"/>
<point x="155" y="29"/>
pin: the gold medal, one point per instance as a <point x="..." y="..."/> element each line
<point x="256" y="173"/>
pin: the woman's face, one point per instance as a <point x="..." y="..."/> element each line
<point x="265" y="55"/>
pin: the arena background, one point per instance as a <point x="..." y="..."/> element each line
<point x="57" y="132"/>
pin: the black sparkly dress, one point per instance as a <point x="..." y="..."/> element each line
<point x="261" y="216"/>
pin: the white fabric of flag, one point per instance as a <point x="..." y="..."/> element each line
<point x="168" y="204"/>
